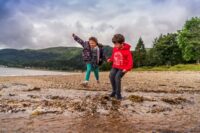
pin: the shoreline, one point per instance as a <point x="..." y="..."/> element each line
<point x="38" y="69"/>
<point x="8" y="71"/>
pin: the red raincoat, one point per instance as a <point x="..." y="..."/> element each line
<point x="122" y="58"/>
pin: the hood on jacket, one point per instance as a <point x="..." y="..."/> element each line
<point x="126" y="46"/>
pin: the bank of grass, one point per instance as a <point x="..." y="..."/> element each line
<point x="180" y="67"/>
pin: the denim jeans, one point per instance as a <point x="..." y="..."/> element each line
<point x="115" y="79"/>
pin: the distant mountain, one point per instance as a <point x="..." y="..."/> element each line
<point x="55" y="58"/>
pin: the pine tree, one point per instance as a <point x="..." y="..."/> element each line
<point x="140" y="53"/>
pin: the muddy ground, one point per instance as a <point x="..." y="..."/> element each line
<point x="157" y="102"/>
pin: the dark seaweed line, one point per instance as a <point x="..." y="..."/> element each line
<point x="171" y="92"/>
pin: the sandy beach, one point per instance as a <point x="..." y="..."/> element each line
<point x="160" y="102"/>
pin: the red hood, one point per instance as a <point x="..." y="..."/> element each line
<point x="126" y="46"/>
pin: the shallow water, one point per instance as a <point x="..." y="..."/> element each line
<point x="28" y="72"/>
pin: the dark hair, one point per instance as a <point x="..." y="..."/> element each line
<point x="93" y="39"/>
<point x="118" y="38"/>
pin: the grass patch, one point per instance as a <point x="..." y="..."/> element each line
<point x="180" y="67"/>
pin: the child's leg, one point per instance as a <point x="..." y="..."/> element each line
<point x="89" y="69"/>
<point x="118" y="77"/>
<point x="113" y="73"/>
<point x="96" y="73"/>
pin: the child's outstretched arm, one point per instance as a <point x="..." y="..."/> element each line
<point x="78" y="39"/>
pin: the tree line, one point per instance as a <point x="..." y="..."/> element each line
<point x="174" y="48"/>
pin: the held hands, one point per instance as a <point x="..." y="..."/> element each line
<point x="124" y="71"/>
<point x="108" y="60"/>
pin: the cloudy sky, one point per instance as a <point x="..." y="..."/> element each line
<point x="50" y="23"/>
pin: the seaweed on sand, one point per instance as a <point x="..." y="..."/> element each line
<point x="177" y="100"/>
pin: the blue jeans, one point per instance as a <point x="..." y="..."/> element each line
<point x="115" y="79"/>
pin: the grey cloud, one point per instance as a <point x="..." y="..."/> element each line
<point x="44" y="23"/>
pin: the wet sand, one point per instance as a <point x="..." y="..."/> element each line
<point x="160" y="102"/>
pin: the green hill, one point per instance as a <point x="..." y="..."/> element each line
<point x="55" y="58"/>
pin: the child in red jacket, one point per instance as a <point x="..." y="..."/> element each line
<point x="122" y="63"/>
